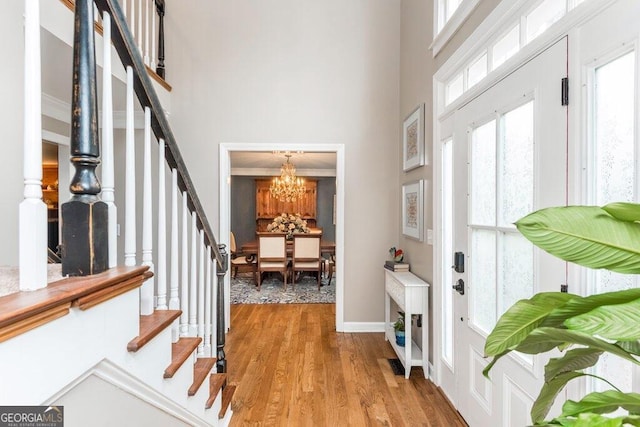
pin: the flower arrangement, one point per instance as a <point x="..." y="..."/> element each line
<point x="288" y="223"/>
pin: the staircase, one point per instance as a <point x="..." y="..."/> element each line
<point x="148" y="335"/>
<point x="59" y="336"/>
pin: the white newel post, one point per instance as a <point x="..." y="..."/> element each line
<point x="184" y="282"/>
<point x="201" y="295"/>
<point x="146" y="295"/>
<point x="161" y="270"/>
<point x="33" y="211"/>
<point x="108" y="179"/>
<point x="193" y="287"/>
<point x="207" y="306"/>
<point x="130" y="178"/>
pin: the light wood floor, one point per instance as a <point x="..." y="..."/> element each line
<point x="292" y="368"/>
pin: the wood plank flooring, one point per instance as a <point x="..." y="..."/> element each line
<point x="292" y="368"/>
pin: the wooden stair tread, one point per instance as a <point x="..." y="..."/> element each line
<point x="180" y="351"/>
<point x="216" y="382"/>
<point x="152" y="325"/>
<point x="227" y="395"/>
<point x="201" y="369"/>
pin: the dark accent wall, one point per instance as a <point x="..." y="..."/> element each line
<point x="243" y="208"/>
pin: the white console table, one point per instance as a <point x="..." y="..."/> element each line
<point x="411" y="294"/>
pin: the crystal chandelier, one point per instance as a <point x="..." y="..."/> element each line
<point x="287" y="187"/>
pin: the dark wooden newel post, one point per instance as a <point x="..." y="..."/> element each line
<point x="84" y="216"/>
<point x="160" y="9"/>
<point x="221" y="363"/>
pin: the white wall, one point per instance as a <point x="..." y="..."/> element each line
<point x="11" y="119"/>
<point x="291" y="71"/>
<point x="96" y="402"/>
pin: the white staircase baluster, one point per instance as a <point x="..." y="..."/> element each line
<point x="174" y="300"/>
<point x="124" y="7"/>
<point x="33" y="211"/>
<point x="139" y="36"/>
<point x="193" y="287"/>
<point x="201" y="296"/>
<point x="146" y="295"/>
<point x="130" y="177"/>
<point x="153" y="52"/>
<point x="147" y="11"/>
<point x="108" y="180"/>
<point x="161" y="268"/>
<point x="207" y="306"/>
<point x="132" y="20"/>
<point x="214" y="307"/>
<point x="184" y="281"/>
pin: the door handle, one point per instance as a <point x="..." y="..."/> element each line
<point x="459" y="286"/>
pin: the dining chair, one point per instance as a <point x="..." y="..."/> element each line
<point x="238" y="259"/>
<point x="306" y="255"/>
<point x="272" y="255"/>
<point x="329" y="267"/>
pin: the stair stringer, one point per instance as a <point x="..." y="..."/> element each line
<point x="125" y="381"/>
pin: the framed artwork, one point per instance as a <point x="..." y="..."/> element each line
<point x="413" y="139"/>
<point x="413" y="209"/>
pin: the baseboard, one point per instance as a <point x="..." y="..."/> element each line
<point x="363" y="327"/>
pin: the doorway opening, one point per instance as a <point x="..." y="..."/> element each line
<point x="235" y="149"/>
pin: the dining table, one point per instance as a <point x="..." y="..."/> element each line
<point x="250" y="250"/>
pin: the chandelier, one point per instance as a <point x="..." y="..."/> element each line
<point x="287" y="187"/>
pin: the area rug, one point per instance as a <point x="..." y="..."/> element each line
<point x="243" y="291"/>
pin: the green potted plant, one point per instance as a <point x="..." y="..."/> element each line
<point x="582" y="328"/>
<point x="398" y="326"/>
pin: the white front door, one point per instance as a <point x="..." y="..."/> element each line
<point x="505" y="155"/>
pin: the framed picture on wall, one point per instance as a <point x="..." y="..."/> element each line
<point x="413" y="139"/>
<point x="413" y="209"/>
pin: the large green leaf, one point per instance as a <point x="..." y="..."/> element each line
<point x="615" y="322"/>
<point x="487" y="368"/>
<point x="632" y="347"/>
<point x="623" y="211"/>
<point x="573" y="360"/>
<point x="586" y="235"/>
<point x="579" y="305"/>
<point x="519" y="320"/>
<point x="544" y="339"/>
<point x="596" y="420"/>
<point x="602" y="403"/>
<point x="548" y="394"/>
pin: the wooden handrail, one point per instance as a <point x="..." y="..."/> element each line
<point x="129" y="55"/>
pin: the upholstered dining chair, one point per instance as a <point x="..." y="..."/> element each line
<point x="306" y="255"/>
<point x="237" y="259"/>
<point x="272" y="255"/>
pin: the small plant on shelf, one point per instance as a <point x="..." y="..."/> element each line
<point x="399" y="328"/>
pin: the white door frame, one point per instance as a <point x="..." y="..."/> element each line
<point x="225" y="208"/>
<point x="497" y="20"/>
